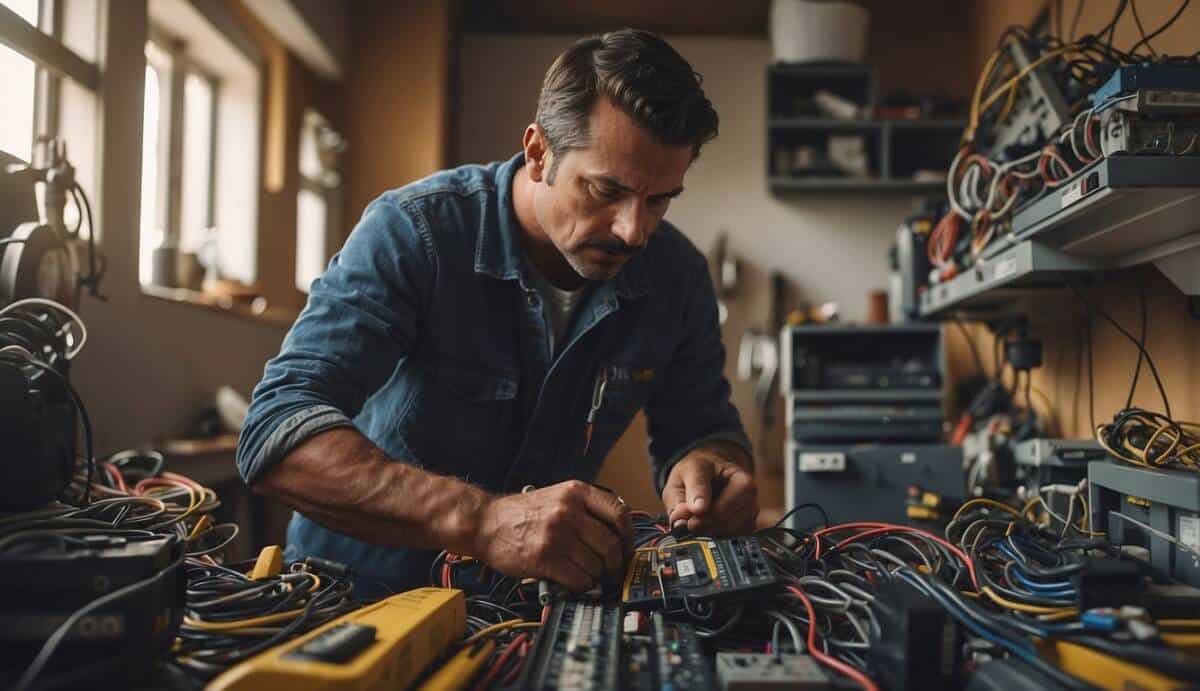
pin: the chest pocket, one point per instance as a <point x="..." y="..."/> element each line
<point x="624" y="396"/>
<point x="463" y="423"/>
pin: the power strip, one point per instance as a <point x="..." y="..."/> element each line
<point x="754" y="672"/>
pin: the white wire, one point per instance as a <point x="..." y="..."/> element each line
<point x="1111" y="102"/>
<point x="954" y="205"/>
<point x="1074" y="127"/>
<point x="83" y="334"/>
<point x="797" y="639"/>
<point x="1157" y="533"/>
<point x="16" y="349"/>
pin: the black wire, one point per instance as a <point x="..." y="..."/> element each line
<point x="1137" y="371"/>
<point x="95" y="274"/>
<point x="799" y="507"/>
<point x="1142" y="348"/>
<point x="1091" y="375"/>
<point x="1111" y="27"/>
<point x="971" y="343"/>
<point x="1141" y="30"/>
<point x="1166" y="25"/>
<point x="78" y="402"/>
<point x="1075" y="20"/>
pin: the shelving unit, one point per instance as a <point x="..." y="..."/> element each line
<point x="895" y="149"/>
<point x="1118" y="212"/>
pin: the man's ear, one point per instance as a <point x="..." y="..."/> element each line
<point x="537" y="152"/>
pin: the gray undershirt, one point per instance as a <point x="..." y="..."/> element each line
<point x="559" y="305"/>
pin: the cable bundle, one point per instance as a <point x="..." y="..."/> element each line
<point x="230" y="617"/>
<point x="1151" y="440"/>
<point x="985" y="187"/>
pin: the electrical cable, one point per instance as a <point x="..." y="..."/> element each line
<point x="1166" y="25"/>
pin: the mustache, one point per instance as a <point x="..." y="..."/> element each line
<point x="614" y="246"/>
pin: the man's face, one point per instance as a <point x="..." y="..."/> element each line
<point x="607" y="199"/>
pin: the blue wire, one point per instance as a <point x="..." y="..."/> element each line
<point x="1056" y="588"/>
<point x="967" y="620"/>
<point x="1059" y="588"/>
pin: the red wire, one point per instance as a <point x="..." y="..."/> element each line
<point x="114" y="474"/>
<point x="486" y="682"/>
<point x="872" y="529"/>
<point x="516" y="670"/>
<point x="943" y="238"/>
<point x="821" y="657"/>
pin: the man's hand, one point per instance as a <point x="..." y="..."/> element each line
<point x="711" y="489"/>
<point x="571" y="533"/>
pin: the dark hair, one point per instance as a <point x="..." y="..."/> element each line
<point x="637" y="72"/>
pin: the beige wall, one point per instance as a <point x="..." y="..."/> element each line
<point x="1173" y="337"/>
<point x="830" y="248"/>
<point x="399" y="95"/>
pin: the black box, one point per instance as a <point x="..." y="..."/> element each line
<point x="870" y="482"/>
<point x="1142" y="506"/>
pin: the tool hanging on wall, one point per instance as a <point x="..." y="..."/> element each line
<point x="44" y="257"/>
<point x="758" y="360"/>
<point x="724" y="269"/>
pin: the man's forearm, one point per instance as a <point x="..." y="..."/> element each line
<point x="346" y="483"/>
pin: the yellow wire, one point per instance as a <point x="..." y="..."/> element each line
<point x="502" y="626"/>
<point x="242" y="623"/>
<point x="1015" y="79"/>
<point x="969" y="135"/>
<point x="251" y="621"/>
<point x="1022" y="607"/>
<point x="987" y="502"/>
<point x="1059" y="616"/>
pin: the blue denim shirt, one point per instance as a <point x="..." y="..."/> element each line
<point x="427" y="335"/>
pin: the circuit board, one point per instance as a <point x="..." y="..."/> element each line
<point x="698" y="570"/>
<point x="671" y="657"/>
<point x="579" y="647"/>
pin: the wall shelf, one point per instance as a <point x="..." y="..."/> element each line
<point x="1117" y="212"/>
<point x="799" y="138"/>
<point x="1004" y="283"/>
<point x="781" y="185"/>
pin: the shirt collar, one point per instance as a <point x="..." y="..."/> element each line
<point x="499" y="254"/>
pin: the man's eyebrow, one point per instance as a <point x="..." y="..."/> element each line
<point x="615" y="183"/>
<point x="670" y="195"/>
<point x="610" y="181"/>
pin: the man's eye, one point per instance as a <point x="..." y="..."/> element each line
<point x="660" y="202"/>
<point x="603" y="193"/>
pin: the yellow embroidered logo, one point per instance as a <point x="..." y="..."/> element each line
<point x="643" y="375"/>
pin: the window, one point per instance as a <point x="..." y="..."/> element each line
<point x="200" y="162"/>
<point x="154" y="150"/>
<point x="318" y="203"/>
<point x="18" y="75"/>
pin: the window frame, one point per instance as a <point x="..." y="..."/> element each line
<point x="43" y="45"/>
<point x="174" y="126"/>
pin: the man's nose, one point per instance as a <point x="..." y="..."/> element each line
<point x="632" y="224"/>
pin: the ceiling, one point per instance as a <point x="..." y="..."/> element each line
<point x="704" y="17"/>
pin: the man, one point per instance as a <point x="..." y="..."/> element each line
<point x="496" y="327"/>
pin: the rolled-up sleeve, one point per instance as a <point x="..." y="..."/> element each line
<point x="362" y="318"/>
<point x="691" y="408"/>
